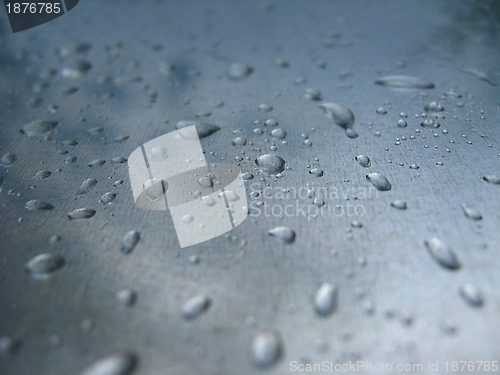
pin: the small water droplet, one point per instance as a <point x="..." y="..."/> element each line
<point x="117" y="363"/>
<point x="81" y="213"/>
<point x="7" y="160"/>
<point x="107" y="198"/>
<point x="38" y="205"/>
<point x="270" y="164"/>
<point x="401" y="81"/>
<point x="363" y="160"/>
<point x="265" y="107"/>
<point x="195" y="306"/>
<point x="278" y="133"/>
<point x="316" y="172"/>
<point x="42" y="265"/>
<point x="271" y="122"/>
<point x="325" y="299"/>
<point x="434" y="107"/>
<point x="239" y="71"/>
<point x="285" y="234"/>
<point x="339" y="113"/>
<point x="129" y="241"/>
<point x="430" y="123"/>
<point x="239" y="141"/>
<point x="379" y="181"/>
<point x="313" y="94"/>
<point x="126" y="297"/>
<point x="351" y="133"/>
<point x="87" y="185"/>
<point x="471" y="213"/>
<point x="402" y="123"/>
<point x="442" y="253"/>
<point x="266" y="348"/>
<point x="399" y="204"/>
<point x="40" y="175"/>
<point x="381" y="111"/>
<point x="471" y="294"/>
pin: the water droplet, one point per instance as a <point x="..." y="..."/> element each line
<point x="203" y="129"/>
<point x="271" y="122"/>
<point x="42" y="265"/>
<point x="313" y="94"/>
<point x="7" y="160"/>
<point x="442" y="253"/>
<point x="40" y="175"/>
<point x="158" y="153"/>
<point x="285" y="234"/>
<point x="399" y="204"/>
<point x="278" y="133"/>
<point x="379" y="181"/>
<point x="247" y="176"/>
<point x="38" y="128"/>
<point x="195" y="306"/>
<point x="317" y="172"/>
<point x="8" y="345"/>
<point x="434" y="107"/>
<point x="265" y="107"/>
<point x="117" y="363"/>
<point x="155" y="188"/>
<point x="414" y="166"/>
<point x="430" y="123"/>
<point x="351" y="133"/>
<point x="208" y="201"/>
<point x="381" y="111"/>
<point x="107" y="198"/>
<point x="363" y="160"/>
<point x="87" y="185"/>
<point x="239" y="141"/>
<point x="325" y="299"/>
<point x="126" y="297"/>
<point x="266" y="348"/>
<point x="471" y="294"/>
<point x="492" y="179"/>
<point x="186" y="219"/>
<point x="471" y="213"/>
<point x="270" y="164"/>
<point x="239" y="71"/>
<point x="81" y="213"/>
<point x="402" y="123"/>
<point x="339" y="113"/>
<point x="401" y="81"/>
<point x="231" y="196"/>
<point x="129" y="241"/>
<point x="38" y="205"/>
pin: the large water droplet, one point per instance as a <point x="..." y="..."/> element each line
<point x="401" y="81"/>
<point x="239" y="141"/>
<point x="363" y="160"/>
<point x="81" y="213"/>
<point x="266" y="348"/>
<point x="203" y="129"/>
<point x="270" y="163"/>
<point x="339" y="113"/>
<point x="129" y="241"/>
<point x="126" y="297"/>
<point x="278" y="133"/>
<point x="87" y="185"/>
<point x="379" y="181"/>
<point x="38" y="128"/>
<point x="325" y="299"/>
<point x="442" y="253"/>
<point x="195" y="306"/>
<point x="40" y="175"/>
<point x="44" y="264"/>
<point x="107" y="198"/>
<point x="471" y="294"/>
<point x="117" y="363"/>
<point x="285" y="234"/>
<point x="38" y="205"/>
